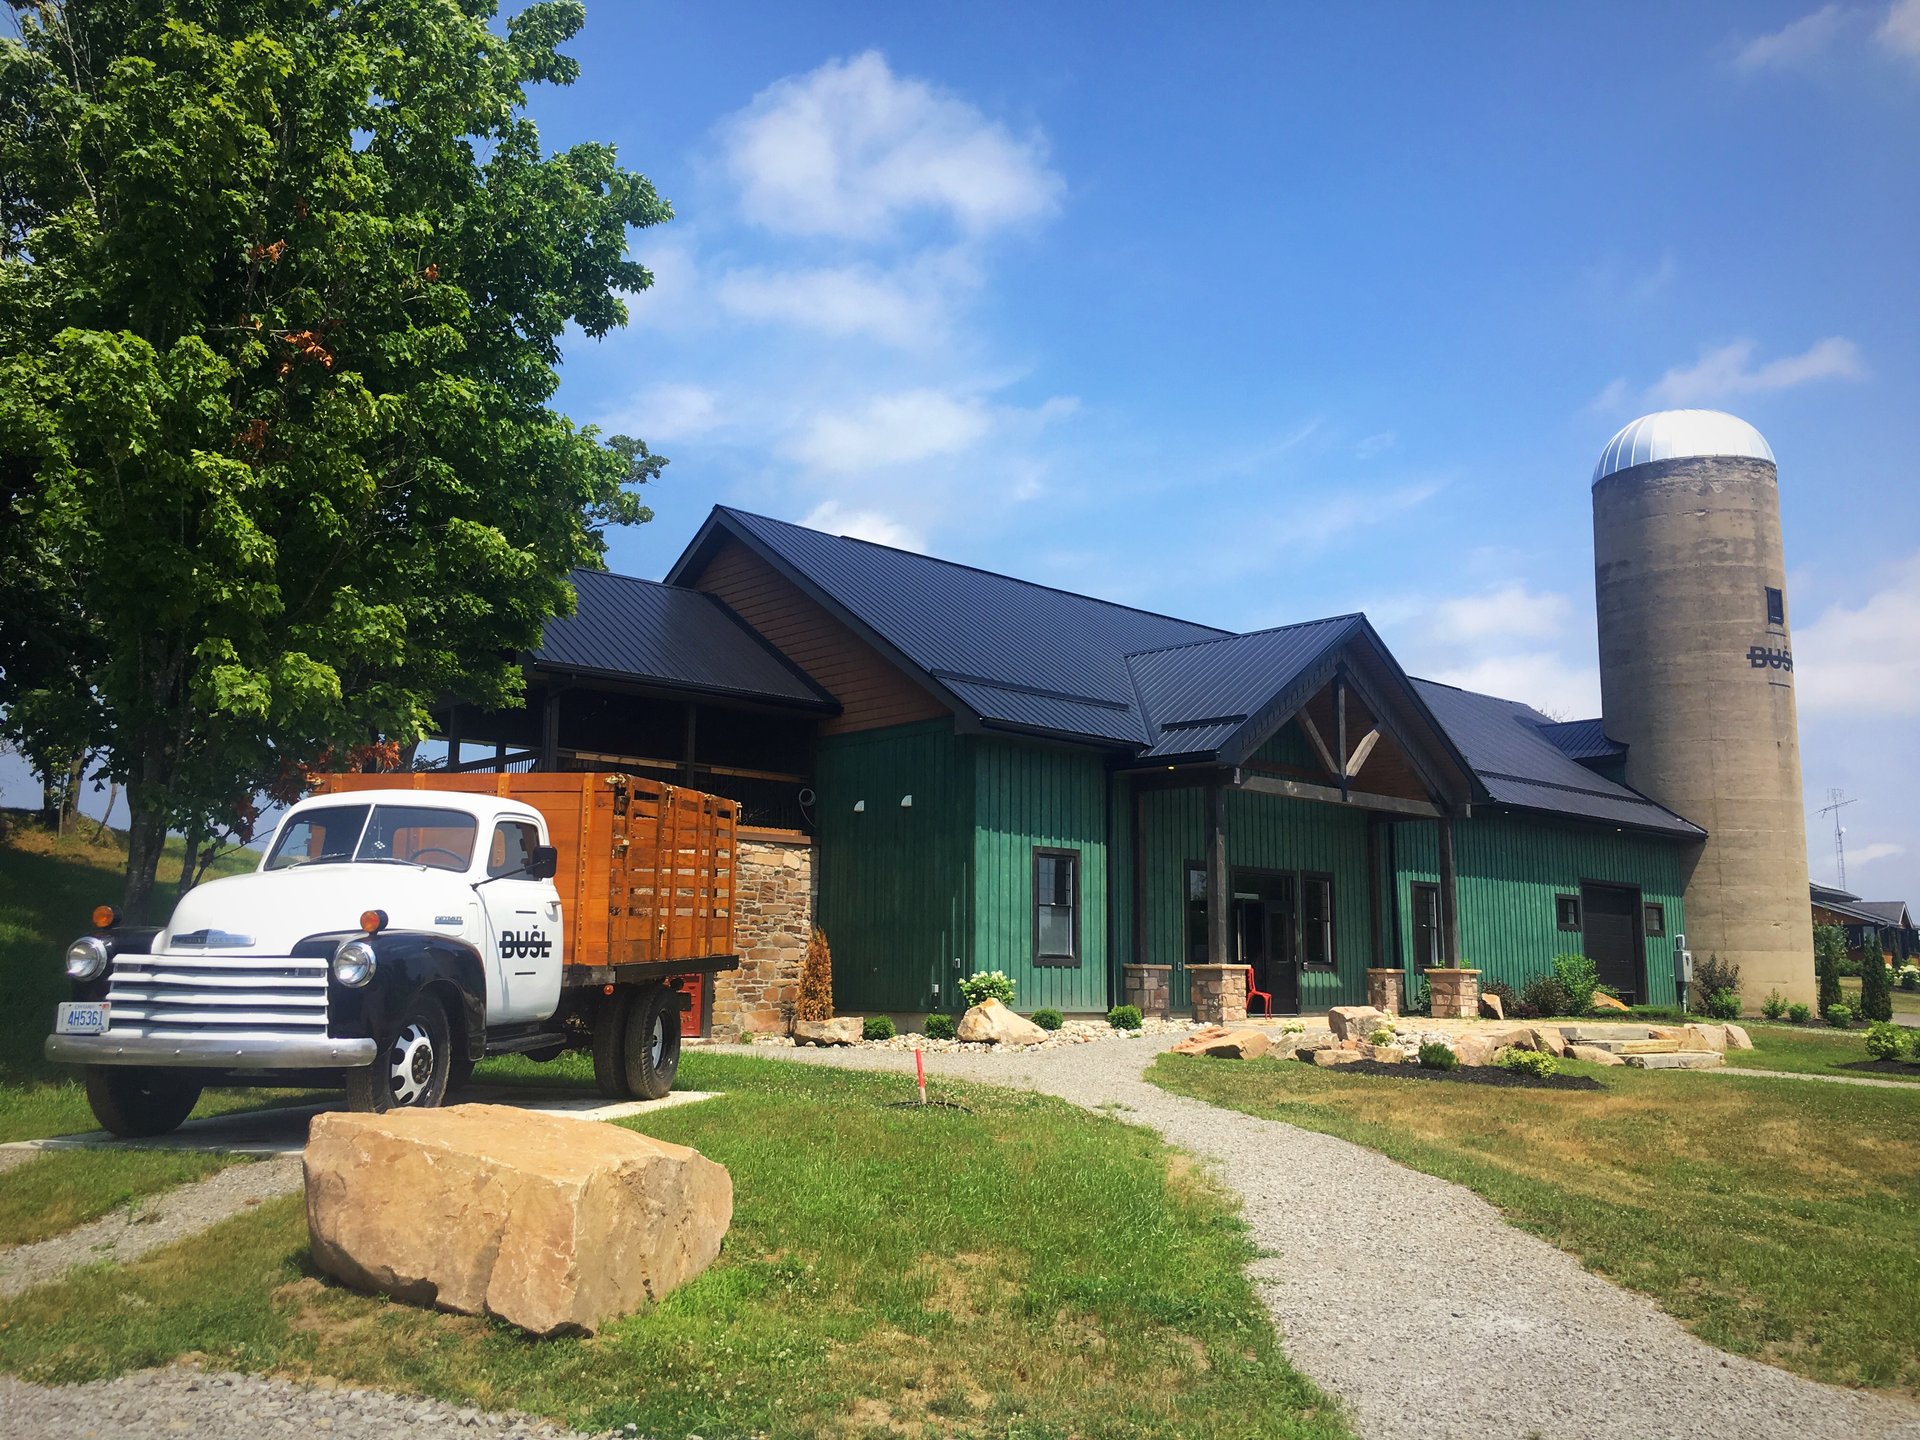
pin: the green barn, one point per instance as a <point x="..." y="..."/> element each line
<point x="950" y="770"/>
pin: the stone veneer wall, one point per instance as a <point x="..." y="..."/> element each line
<point x="774" y="895"/>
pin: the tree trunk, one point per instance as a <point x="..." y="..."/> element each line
<point x="70" y="797"/>
<point x="106" y="816"/>
<point x="189" y="864"/>
<point x="146" y="837"/>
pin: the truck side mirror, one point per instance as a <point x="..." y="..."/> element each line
<point x="544" y="863"/>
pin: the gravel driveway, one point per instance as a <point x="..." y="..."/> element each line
<point x="1479" y="1331"/>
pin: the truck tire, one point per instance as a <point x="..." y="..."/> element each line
<point x="653" y="1042"/>
<point x="413" y="1066"/>
<point x="610" y="1044"/>
<point x="134" y="1103"/>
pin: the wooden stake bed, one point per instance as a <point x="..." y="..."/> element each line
<point x="646" y="870"/>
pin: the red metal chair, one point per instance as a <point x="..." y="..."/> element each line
<point x="1263" y="996"/>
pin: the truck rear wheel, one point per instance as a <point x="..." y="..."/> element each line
<point x="653" y="1042"/>
<point x="133" y="1103"/>
<point x="412" y="1068"/>
<point x="610" y="1044"/>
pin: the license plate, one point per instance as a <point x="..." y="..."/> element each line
<point x="80" y="1017"/>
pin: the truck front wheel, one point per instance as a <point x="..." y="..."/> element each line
<point x="134" y="1103"/>
<point x="653" y="1042"/>
<point x="412" y="1068"/>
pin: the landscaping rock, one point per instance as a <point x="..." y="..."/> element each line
<point x="841" y="1030"/>
<point x="1356" y="1022"/>
<point x="1593" y="1055"/>
<point x="553" y="1224"/>
<point x="1333" y="1055"/>
<point x="1604" y="1001"/>
<point x="1713" y="1037"/>
<point x="1677" y="1060"/>
<point x="1390" y="1054"/>
<point x="1224" y="1044"/>
<point x="1737" y="1038"/>
<point x="1492" y="1007"/>
<point x="993" y="1023"/>
<point x="1477" y="1049"/>
<point x="1549" y="1039"/>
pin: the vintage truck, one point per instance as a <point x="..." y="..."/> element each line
<point x="400" y="928"/>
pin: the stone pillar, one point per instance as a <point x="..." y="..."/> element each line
<point x="1219" y="993"/>
<point x="1456" y="994"/>
<point x="1387" y="990"/>
<point x="1149" y="988"/>
<point x="773" y="909"/>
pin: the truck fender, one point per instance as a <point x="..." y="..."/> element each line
<point x="407" y="962"/>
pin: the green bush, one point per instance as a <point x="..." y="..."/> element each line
<point x="988" y="985"/>
<point x="1885" y="1040"/>
<point x="877" y="1027"/>
<point x="1382" y="1036"/>
<point x="1579" y="977"/>
<point x="1506" y="994"/>
<point x="1722" y="1005"/>
<point x="1910" y="976"/>
<point x="1419" y="997"/>
<point x="1124" y="1017"/>
<point x="1048" y="1019"/>
<point x="1774" y="1006"/>
<point x="1840" y="1016"/>
<point x="1829" y="950"/>
<point x="1529" y="1062"/>
<point x="1876" y="982"/>
<point x="939" y="1027"/>
<point x="1548" y="996"/>
<point x="1710" y="977"/>
<point x="1913" y="1046"/>
<point x="1799" y="1014"/>
<point x="1436" y="1056"/>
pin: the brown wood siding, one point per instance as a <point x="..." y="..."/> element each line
<point x="872" y="692"/>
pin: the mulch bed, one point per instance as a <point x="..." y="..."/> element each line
<point x="1472" y="1075"/>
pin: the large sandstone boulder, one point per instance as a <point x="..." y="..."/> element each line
<point x="1224" y="1044"/>
<point x="1594" y="1055"/>
<point x="1478" y="1048"/>
<point x="841" y="1030"/>
<point x="1549" y="1039"/>
<point x="556" y="1225"/>
<point x="992" y="1023"/>
<point x="1330" y="1055"/>
<point x="1604" y="1001"/>
<point x="1737" y="1038"/>
<point x="1713" y="1037"/>
<point x="1357" y="1022"/>
<point x="1492" y="1007"/>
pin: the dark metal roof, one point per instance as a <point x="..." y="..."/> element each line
<point x="651" y="634"/>
<point x="1583" y="740"/>
<point x="1520" y="766"/>
<point x="1197" y="696"/>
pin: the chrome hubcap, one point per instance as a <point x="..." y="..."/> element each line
<point x="412" y="1065"/>
<point x="657" y="1043"/>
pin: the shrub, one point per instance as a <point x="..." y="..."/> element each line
<point x="1506" y="993"/>
<point x="1710" y="977"/>
<point x="1529" y="1062"/>
<point x="939" y="1027"/>
<point x="1774" y="1006"/>
<point x="1722" y="1005"/>
<point x="816" y="980"/>
<point x="1124" y="1017"/>
<point x="1419" y="997"/>
<point x="1547" y="996"/>
<point x="877" y="1027"/>
<point x="1876" y="982"/>
<point x="1382" y="1036"/>
<point x="1799" y="1014"/>
<point x="1910" y="976"/>
<point x="1829" y="949"/>
<point x="988" y="985"/>
<point x="1579" y="977"/>
<point x="1913" y="1046"/>
<point x="1885" y="1040"/>
<point x="1840" y="1016"/>
<point x="1436" y="1056"/>
<point x="1521" y="1010"/>
<point x="1049" y="1019"/>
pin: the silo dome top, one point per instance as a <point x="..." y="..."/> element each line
<point x="1679" y="435"/>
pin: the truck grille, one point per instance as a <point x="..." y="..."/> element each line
<point x="225" y="996"/>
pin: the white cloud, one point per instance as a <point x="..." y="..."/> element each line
<point x="909" y="426"/>
<point x="1795" y="43"/>
<point x="666" y="412"/>
<point x="837" y="519"/>
<point x="848" y="149"/>
<point x="909" y="307"/>
<point x="1512" y="612"/>
<point x="1878" y="850"/>
<point x="1614" y="396"/>
<point x="1318" y="522"/>
<point x="1375" y="445"/>
<point x="1729" y="370"/>
<point x="1864" y="661"/>
<point x="1543" y="679"/>
<point x="1900" y="29"/>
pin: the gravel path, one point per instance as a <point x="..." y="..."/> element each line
<point x="1477" y="1331"/>
<point x="166" y="1404"/>
<point x="131" y="1231"/>
<point x="1827" y="1079"/>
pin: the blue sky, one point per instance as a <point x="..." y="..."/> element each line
<point x="1253" y="314"/>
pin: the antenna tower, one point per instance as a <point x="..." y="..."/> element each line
<point x="1836" y="801"/>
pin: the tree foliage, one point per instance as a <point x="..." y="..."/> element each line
<point x="1829" y="949"/>
<point x="282" y="290"/>
<point x="1876" y="985"/>
<point x="815" y="1001"/>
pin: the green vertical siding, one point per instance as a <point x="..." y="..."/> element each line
<point x="895" y="882"/>
<point x="1511" y="868"/>
<point x="1264" y="832"/>
<point x="1119" y="884"/>
<point x="1026" y="796"/>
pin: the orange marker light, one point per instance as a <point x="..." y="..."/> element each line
<point x="373" y="921"/>
<point x="105" y="916"/>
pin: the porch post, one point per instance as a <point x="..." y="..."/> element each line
<point x="687" y="744"/>
<point x="550" y="731"/>
<point x="453" y="736"/>
<point x="1449" y="899"/>
<point x="1216" y="873"/>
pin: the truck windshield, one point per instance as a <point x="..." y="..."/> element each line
<point x="397" y="834"/>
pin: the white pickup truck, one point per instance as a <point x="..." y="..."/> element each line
<point x="389" y="939"/>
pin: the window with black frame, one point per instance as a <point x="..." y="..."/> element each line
<point x="1316" y="922"/>
<point x="1426" y="926"/>
<point x="1056" y="907"/>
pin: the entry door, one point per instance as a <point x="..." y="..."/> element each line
<point x="1611" y="926"/>
<point x="1263" y="923"/>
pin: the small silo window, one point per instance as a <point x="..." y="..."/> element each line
<point x="1776" y="606"/>
<point x="1566" y="911"/>
<point x="1656" y="920"/>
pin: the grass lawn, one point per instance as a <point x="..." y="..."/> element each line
<point x="1906" y="1003"/>
<point x="1019" y="1269"/>
<point x="1812" y="1050"/>
<point x="64" y="1188"/>
<point x="1776" y="1219"/>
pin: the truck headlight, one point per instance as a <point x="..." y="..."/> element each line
<point x="353" y="964"/>
<point x="87" y="957"/>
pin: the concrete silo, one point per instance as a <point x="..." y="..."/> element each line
<point x="1696" y="677"/>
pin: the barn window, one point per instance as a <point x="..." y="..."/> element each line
<point x="1776" y="606"/>
<point x="1566" y="911"/>
<point x="1656" y="919"/>
<point x="1316" y="922"/>
<point x="1056" y="907"/>
<point x="1426" y="926"/>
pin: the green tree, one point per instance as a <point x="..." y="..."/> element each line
<point x="1829" y="949"/>
<point x="282" y="289"/>
<point x="1876" y="990"/>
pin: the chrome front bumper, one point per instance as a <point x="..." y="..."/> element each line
<point x="226" y="1052"/>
